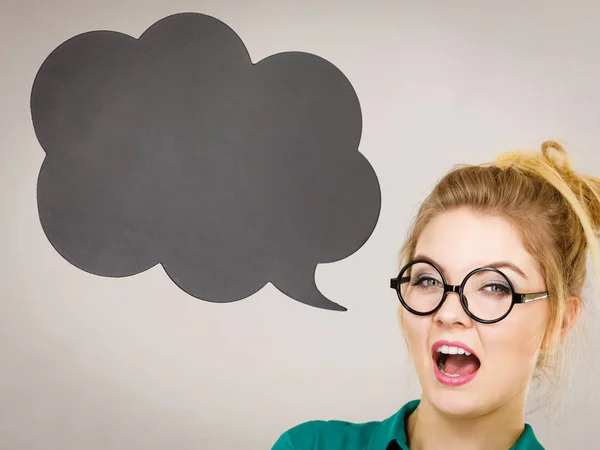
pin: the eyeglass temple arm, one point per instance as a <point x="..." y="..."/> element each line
<point x="526" y="298"/>
<point x="394" y="282"/>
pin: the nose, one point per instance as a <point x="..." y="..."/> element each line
<point x="451" y="312"/>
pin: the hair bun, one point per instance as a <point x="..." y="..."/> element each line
<point x="561" y="164"/>
<point x="546" y="145"/>
<point x="585" y="187"/>
<point x="552" y="165"/>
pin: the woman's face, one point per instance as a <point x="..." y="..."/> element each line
<point x="458" y="242"/>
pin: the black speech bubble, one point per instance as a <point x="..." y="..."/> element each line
<point x="176" y="149"/>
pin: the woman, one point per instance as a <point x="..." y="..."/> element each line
<point x="490" y="286"/>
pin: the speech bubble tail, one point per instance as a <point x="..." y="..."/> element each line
<point x="302" y="288"/>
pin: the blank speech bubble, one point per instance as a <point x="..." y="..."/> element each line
<point x="175" y="149"/>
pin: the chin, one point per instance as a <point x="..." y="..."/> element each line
<point x="475" y="399"/>
<point x="459" y="404"/>
<point x="469" y="400"/>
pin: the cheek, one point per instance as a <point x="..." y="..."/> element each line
<point x="415" y="330"/>
<point x="515" y="342"/>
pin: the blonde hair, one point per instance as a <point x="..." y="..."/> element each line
<point x="555" y="210"/>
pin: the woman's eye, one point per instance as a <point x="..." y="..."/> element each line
<point x="497" y="289"/>
<point x="426" y="282"/>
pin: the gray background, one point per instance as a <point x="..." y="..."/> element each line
<point x="135" y="362"/>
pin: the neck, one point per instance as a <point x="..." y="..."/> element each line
<point x="496" y="430"/>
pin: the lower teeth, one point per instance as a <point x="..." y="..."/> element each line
<point x="450" y="374"/>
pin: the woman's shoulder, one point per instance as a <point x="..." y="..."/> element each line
<point x="346" y="435"/>
<point x="327" y="434"/>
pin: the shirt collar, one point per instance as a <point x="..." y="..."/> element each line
<point x="391" y="434"/>
<point x="393" y="429"/>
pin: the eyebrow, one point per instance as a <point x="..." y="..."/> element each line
<point x="494" y="265"/>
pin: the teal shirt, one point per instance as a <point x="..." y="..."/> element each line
<point x="389" y="434"/>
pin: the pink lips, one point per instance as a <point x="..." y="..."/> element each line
<point x="445" y="379"/>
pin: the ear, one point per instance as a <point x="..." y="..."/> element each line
<point x="571" y="315"/>
<point x="573" y="305"/>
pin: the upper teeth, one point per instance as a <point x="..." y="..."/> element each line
<point x="452" y="350"/>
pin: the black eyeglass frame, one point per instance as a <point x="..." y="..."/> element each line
<point x="517" y="298"/>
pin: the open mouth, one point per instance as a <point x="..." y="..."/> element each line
<point x="456" y="362"/>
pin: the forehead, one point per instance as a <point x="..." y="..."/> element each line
<point x="462" y="240"/>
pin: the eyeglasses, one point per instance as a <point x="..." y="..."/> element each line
<point x="486" y="294"/>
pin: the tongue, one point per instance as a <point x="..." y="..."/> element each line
<point x="461" y="364"/>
